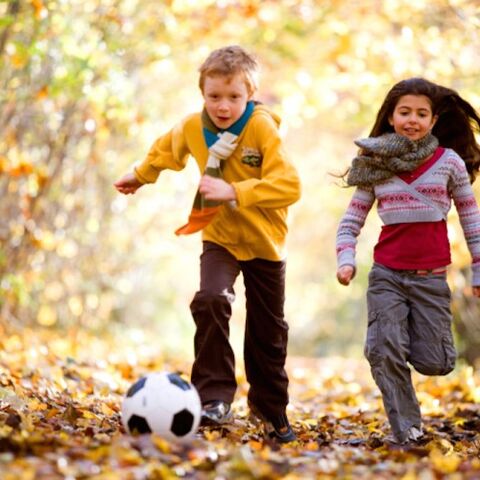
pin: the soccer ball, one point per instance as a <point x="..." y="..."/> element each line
<point x="162" y="403"/>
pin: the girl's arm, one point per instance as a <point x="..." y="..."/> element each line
<point x="348" y="230"/>
<point x="469" y="215"/>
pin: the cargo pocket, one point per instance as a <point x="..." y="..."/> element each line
<point x="434" y="358"/>
<point x="450" y="354"/>
<point x="372" y="350"/>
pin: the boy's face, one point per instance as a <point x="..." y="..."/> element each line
<point x="225" y="99"/>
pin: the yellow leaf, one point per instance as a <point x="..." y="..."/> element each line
<point x="98" y="453"/>
<point x="42" y="93"/>
<point x="212" y="435"/>
<point x="444" y="463"/>
<point x="254" y="445"/>
<point x="36" y="405"/>
<point x="311" y="446"/>
<point x="46" y="316"/>
<point x="52" y="413"/>
<point x="23" y="168"/>
<point x="311" y="422"/>
<point x="40" y="10"/>
<point x="89" y="415"/>
<point x="5" y="431"/>
<point x="161" y="443"/>
<point x="106" y="410"/>
<point x="18" y="61"/>
<point x="410" y="475"/>
<point x="3" y="164"/>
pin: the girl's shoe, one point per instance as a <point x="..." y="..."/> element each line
<point x="216" y="413"/>
<point x="413" y="435"/>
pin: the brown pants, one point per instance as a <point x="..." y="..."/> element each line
<point x="266" y="332"/>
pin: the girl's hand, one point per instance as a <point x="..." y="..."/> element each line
<point x="476" y="291"/>
<point x="345" y="274"/>
<point x="216" y="189"/>
<point x="128" y="184"/>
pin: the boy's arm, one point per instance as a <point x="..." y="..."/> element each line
<point x="128" y="184"/>
<point x="279" y="185"/>
<point x="168" y="152"/>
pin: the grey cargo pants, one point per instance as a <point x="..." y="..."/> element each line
<point x="409" y="320"/>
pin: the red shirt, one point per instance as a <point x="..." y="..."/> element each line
<point x="419" y="245"/>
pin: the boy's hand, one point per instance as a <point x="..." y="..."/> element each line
<point x="128" y="184"/>
<point x="476" y="291"/>
<point x="216" y="189"/>
<point x="345" y="274"/>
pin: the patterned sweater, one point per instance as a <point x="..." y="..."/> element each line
<point x="427" y="199"/>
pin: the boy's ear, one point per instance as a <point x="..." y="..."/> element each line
<point x="434" y="121"/>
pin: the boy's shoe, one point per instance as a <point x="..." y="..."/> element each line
<point x="277" y="429"/>
<point x="216" y="413"/>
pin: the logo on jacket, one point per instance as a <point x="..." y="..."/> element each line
<point x="251" y="157"/>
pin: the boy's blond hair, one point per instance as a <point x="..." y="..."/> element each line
<point x="230" y="61"/>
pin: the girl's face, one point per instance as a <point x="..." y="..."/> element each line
<point x="225" y="99"/>
<point x="412" y="116"/>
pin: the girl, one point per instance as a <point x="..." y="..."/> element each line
<point x="420" y="154"/>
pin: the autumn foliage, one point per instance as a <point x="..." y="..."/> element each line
<point x="60" y="399"/>
<point x="87" y="86"/>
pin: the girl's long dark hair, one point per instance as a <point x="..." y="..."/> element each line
<point x="456" y="124"/>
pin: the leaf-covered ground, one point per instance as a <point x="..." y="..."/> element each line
<point x="60" y="396"/>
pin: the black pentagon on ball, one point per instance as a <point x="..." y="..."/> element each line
<point x="138" y="385"/>
<point x="178" y="381"/>
<point x="182" y="423"/>
<point x="137" y="424"/>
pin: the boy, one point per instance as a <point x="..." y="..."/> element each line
<point x="241" y="208"/>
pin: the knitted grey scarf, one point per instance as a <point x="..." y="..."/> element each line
<point x="383" y="157"/>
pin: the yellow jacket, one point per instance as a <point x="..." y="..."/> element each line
<point x="266" y="183"/>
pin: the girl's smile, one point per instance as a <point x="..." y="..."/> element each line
<point x="412" y="116"/>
